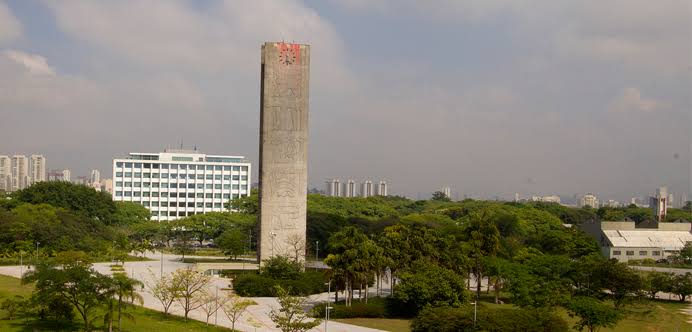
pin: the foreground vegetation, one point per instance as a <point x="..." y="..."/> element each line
<point x="142" y="319"/>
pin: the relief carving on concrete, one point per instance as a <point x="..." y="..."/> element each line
<point x="286" y="149"/>
<point x="284" y="183"/>
<point x="286" y="118"/>
<point x="285" y="217"/>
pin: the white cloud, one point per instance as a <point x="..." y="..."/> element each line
<point x="35" y="64"/>
<point x="630" y="100"/>
<point x="10" y="27"/>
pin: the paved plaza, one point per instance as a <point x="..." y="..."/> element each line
<point x="256" y="318"/>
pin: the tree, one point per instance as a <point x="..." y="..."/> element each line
<point x="13" y="305"/>
<point x="484" y="241"/>
<point x="82" y="200"/>
<point x="291" y="317"/>
<point x="125" y="290"/>
<point x="440" y="196"/>
<point x="281" y="267"/>
<point x="183" y="242"/>
<point x="189" y="285"/>
<point x="129" y="213"/>
<point x="296" y="245"/>
<point x="163" y="290"/>
<point x="234" y="307"/>
<point x="232" y="242"/>
<point x="620" y="280"/>
<point x="656" y="281"/>
<point x="76" y="283"/>
<point x="593" y="314"/>
<point x="427" y="284"/>
<point x="211" y="303"/>
<point x="686" y="253"/>
<point x="682" y="286"/>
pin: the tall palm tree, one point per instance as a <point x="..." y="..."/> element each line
<point x="125" y="290"/>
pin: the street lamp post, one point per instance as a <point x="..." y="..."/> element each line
<point x="475" y="309"/>
<point x="326" y="309"/>
<point x="161" y="264"/>
<point x="317" y="251"/>
<point x="21" y="264"/>
<point x="36" y="263"/>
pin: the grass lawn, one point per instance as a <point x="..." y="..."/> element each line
<point x="145" y="320"/>
<point x="387" y="324"/>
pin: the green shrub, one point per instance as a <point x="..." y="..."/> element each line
<point x="443" y="319"/>
<point x="255" y="285"/>
<point x="492" y="320"/>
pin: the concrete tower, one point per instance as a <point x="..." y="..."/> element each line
<point x="283" y="168"/>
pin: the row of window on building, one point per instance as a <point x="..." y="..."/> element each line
<point x="120" y="184"/>
<point x="641" y="253"/>
<point x="218" y="177"/>
<point x="174" y="213"/>
<point x="180" y="166"/>
<point x="175" y="195"/>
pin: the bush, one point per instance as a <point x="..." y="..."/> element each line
<point x="255" y="285"/>
<point x="443" y="319"/>
<point x="492" y="320"/>
<point x="428" y="284"/>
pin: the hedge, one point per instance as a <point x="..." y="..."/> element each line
<point x="257" y="285"/>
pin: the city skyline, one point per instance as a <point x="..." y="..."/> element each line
<point x="582" y="106"/>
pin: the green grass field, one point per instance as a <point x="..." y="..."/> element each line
<point x="145" y="320"/>
<point x="386" y="324"/>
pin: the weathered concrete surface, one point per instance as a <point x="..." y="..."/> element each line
<point x="283" y="149"/>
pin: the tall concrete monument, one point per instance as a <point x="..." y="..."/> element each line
<point x="283" y="168"/>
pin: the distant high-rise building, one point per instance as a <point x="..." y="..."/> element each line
<point x="589" y="200"/>
<point x="551" y="199"/>
<point x="5" y="173"/>
<point x="447" y="191"/>
<point x="350" y="188"/>
<point x="659" y="203"/>
<point x="671" y="201"/>
<point x="66" y="175"/>
<point x="367" y="189"/>
<point x="382" y="188"/>
<point x="38" y="168"/>
<point x="334" y="188"/>
<point x="683" y="200"/>
<point x="20" y="172"/>
<point x="107" y="185"/>
<point x="516" y="197"/>
<point x="95" y="176"/>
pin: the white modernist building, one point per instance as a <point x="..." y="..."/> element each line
<point x="179" y="183"/>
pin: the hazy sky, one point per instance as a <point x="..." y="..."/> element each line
<point x="488" y="97"/>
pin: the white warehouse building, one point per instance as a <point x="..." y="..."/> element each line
<point x="179" y="183"/>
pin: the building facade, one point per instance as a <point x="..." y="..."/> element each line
<point x="179" y="183"/>
<point x="627" y="240"/>
<point x="38" y="168"/>
<point x="5" y="173"/>
<point x="589" y="200"/>
<point x="367" y="189"/>
<point x="20" y="172"/>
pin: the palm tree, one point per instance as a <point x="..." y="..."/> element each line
<point x="125" y="290"/>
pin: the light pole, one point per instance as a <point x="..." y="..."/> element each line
<point x="162" y="264"/>
<point x="216" y="307"/>
<point x="475" y="307"/>
<point x="326" y="309"/>
<point x="36" y="263"/>
<point x="21" y="264"/>
<point x="317" y="250"/>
